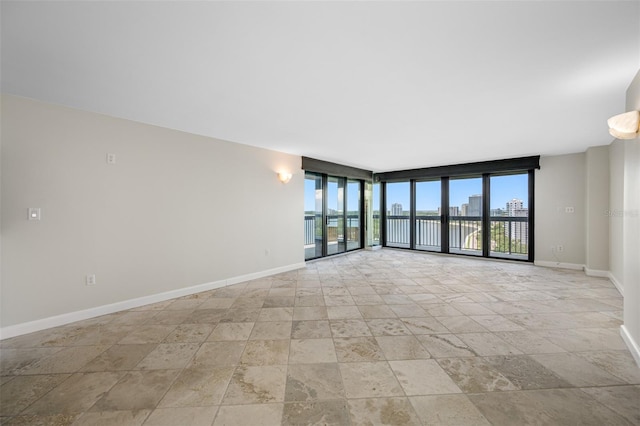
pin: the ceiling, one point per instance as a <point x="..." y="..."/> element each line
<point x="377" y="85"/>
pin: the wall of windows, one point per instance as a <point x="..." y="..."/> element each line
<point x="450" y="209"/>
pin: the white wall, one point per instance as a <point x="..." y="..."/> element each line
<point x="560" y="183"/>
<point x="631" y="230"/>
<point x="176" y="210"/>
<point x="616" y="209"/>
<point x="597" y="211"/>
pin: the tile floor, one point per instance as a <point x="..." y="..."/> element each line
<point x="371" y="338"/>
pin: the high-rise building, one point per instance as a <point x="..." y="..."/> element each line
<point x="475" y="205"/>
<point x="513" y="205"/>
<point x="518" y="230"/>
<point x="464" y="209"/>
<point x="396" y="209"/>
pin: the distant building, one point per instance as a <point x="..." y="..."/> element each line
<point x="513" y="205"/>
<point x="454" y="211"/>
<point x="396" y="209"/>
<point x="475" y="206"/>
<point x="519" y="230"/>
<point x="497" y="212"/>
<point x="464" y="210"/>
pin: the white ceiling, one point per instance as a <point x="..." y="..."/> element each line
<point x="378" y="85"/>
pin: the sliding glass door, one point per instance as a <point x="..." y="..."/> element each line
<point x="398" y="226"/>
<point x="509" y="216"/>
<point x="333" y="215"/>
<point x="465" y="216"/>
<point x="428" y="224"/>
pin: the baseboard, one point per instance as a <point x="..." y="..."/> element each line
<point x="596" y="273"/>
<point x="617" y="283"/>
<point x="562" y="265"/>
<point x="633" y="346"/>
<point x="63" y="319"/>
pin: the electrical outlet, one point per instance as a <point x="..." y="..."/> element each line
<point x="560" y="248"/>
<point x="569" y="210"/>
<point x="91" y="279"/>
<point x="111" y="159"/>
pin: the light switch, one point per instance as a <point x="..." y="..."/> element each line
<point x="34" y="213"/>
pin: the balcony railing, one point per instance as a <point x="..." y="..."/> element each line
<point x="509" y="235"/>
<point x="313" y="229"/>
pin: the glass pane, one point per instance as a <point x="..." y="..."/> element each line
<point x="335" y="215"/>
<point x="465" y="216"/>
<point x="509" y="216"/>
<point x="375" y="200"/>
<point x="313" y="227"/>
<point x="428" y="215"/>
<point x="398" y="205"/>
<point x="353" y="214"/>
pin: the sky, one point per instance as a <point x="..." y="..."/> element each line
<point x="503" y="189"/>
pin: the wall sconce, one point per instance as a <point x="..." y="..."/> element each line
<point x="284" y="177"/>
<point x="624" y="126"/>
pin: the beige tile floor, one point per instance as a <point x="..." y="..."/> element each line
<point x="386" y="337"/>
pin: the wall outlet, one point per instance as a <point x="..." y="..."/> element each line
<point x="560" y="248"/>
<point x="111" y="159"/>
<point x="569" y="210"/>
<point x="90" y="279"/>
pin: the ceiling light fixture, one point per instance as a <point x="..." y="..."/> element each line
<point x="284" y="177"/>
<point x="625" y="126"/>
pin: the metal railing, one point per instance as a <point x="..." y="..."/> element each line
<point x="510" y="235"/>
<point x="335" y="232"/>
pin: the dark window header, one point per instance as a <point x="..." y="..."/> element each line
<point x="326" y="167"/>
<point x="495" y="166"/>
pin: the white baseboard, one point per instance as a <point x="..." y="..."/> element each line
<point x="596" y="273"/>
<point x="58" y="320"/>
<point x="633" y="346"/>
<point x="617" y="283"/>
<point x="549" y="264"/>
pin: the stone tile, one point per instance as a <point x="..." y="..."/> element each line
<point x="344" y="300"/>
<point x="529" y="342"/>
<point x="169" y="356"/>
<point x="376" y="311"/>
<point x="192" y="416"/>
<point x="198" y="387"/>
<point x="358" y="349"/>
<point x="445" y="346"/>
<point x="231" y="331"/>
<point x="397" y="299"/>
<point x="476" y="375"/>
<point x="137" y="390"/>
<point x="552" y="407"/>
<point x="401" y="347"/>
<point x="307" y="313"/>
<point x="250" y="302"/>
<point x="309" y="301"/>
<point x="621" y="399"/>
<point x="461" y="324"/>
<point x="343" y="312"/>
<point x="265" y="352"/>
<point x="12" y="361"/>
<point x="206" y="316"/>
<point x="310" y="382"/>
<point x="525" y="373"/>
<point x="276" y="330"/>
<point x="496" y="323"/>
<point x="369" y="380"/>
<point x="260" y="415"/>
<point x="368" y="299"/>
<point x="217" y="303"/>
<point x="442" y="310"/>
<point x="326" y="413"/>
<point x="218" y="353"/>
<point x="408" y="310"/>
<point x="382" y="411"/>
<point x="310" y="329"/>
<point x="447" y="410"/>
<point x="147" y="334"/>
<point x="278" y="302"/>
<point x="119" y="358"/>
<point x="387" y="327"/>
<point x="577" y="370"/>
<point x="276" y="314"/>
<point x="22" y="391"/>
<point x="283" y="292"/>
<point x="424" y="325"/>
<point x="618" y="363"/>
<point x="586" y="339"/>
<point x="76" y="394"/>
<point x="67" y="360"/>
<point x="256" y="385"/>
<point x="486" y="344"/>
<point x="423" y="377"/>
<point x="349" y="328"/>
<point x="108" y="418"/>
<point x="241" y="315"/>
<point x="311" y="351"/>
<point x="189" y="333"/>
<point x="46" y="420"/>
